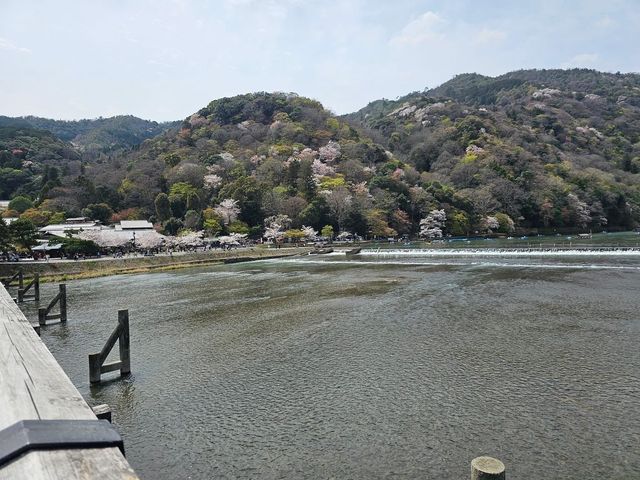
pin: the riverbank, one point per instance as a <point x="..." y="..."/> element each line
<point x="56" y="270"/>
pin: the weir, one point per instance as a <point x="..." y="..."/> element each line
<point x="60" y="437"/>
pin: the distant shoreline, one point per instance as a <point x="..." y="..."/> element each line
<point x="55" y="270"/>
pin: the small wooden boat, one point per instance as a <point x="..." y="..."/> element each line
<point x="353" y="251"/>
<point x="320" y="251"/>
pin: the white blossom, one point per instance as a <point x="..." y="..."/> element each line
<point x="228" y="210"/>
<point x="309" y="232"/>
<point x="322" y="169"/>
<point x="491" y="223"/>
<point x="330" y="152"/>
<point x="360" y="188"/>
<point x="212" y="181"/>
<point x="431" y="225"/>
<point x="581" y="209"/>
<point x="275" y="226"/>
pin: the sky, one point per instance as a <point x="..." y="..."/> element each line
<point x="165" y="59"/>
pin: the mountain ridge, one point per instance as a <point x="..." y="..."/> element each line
<point x="537" y="149"/>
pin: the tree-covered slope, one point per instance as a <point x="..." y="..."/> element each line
<point x="96" y="135"/>
<point x="272" y="153"/>
<point x="45" y="159"/>
<point x="529" y="150"/>
<point x="549" y="148"/>
<point x="28" y="157"/>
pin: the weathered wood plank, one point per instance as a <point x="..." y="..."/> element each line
<point x="34" y="386"/>
<point x="110" y="367"/>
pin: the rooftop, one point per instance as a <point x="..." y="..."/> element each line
<point x="134" y="225"/>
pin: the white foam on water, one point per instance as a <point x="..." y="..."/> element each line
<point x="505" y="253"/>
<point x="356" y="263"/>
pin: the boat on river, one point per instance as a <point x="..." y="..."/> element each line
<point x="321" y="251"/>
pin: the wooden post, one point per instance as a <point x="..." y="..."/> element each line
<point x="20" y="280"/>
<point x="487" y="468"/>
<point x="123" y="342"/>
<point x="94" y="367"/>
<point x="36" y="287"/>
<point x="35" y="284"/>
<point x="61" y="300"/>
<point x="63" y="303"/>
<point x="121" y="335"/>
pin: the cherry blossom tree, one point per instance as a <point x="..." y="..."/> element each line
<point x="275" y="226"/>
<point x="581" y="210"/>
<point x="309" y="232"/>
<point x="490" y="224"/>
<point x="228" y="210"/>
<point x="212" y="181"/>
<point x="431" y="225"/>
<point x="322" y="169"/>
<point x="339" y="202"/>
<point x="330" y="152"/>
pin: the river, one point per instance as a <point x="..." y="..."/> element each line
<point x="393" y="364"/>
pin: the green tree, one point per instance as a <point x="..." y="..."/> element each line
<point x="459" y="223"/>
<point x="73" y="246"/>
<point x="249" y="195"/>
<point x="177" y="204"/>
<point x="20" y="204"/>
<point x="212" y="226"/>
<point x="172" y="159"/>
<point x="24" y="233"/>
<point x="183" y="189"/>
<point x="506" y="223"/>
<point x="172" y="226"/>
<point x="5" y="237"/>
<point x="316" y="213"/>
<point x="327" y="231"/>
<point x="193" y="201"/>
<point x="163" y="207"/>
<point x="238" y="227"/>
<point x="192" y="220"/>
<point x="98" y="211"/>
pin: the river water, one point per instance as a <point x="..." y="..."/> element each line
<point x="388" y="365"/>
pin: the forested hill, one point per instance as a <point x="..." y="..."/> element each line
<point x="550" y="148"/>
<point x="39" y="156"/>
<point x="529" y="150"/>
<point x="96" y="135"/>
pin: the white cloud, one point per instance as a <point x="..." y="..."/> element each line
<point x="427" y="27"/>
<point x="605" y="22"/>
<point x="487" y="35"/>
<point x="7" y="45"/>
<point x="582" y="60"/>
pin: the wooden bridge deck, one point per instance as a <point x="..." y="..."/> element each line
<point x="33" y="386"/>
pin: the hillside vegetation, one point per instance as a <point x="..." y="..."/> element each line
<point x="549" y="148"/>
<point x="529" y="150"/>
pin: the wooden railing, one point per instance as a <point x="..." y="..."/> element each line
<point x="61" y="300"/>
<point x="121" y="335"/>
<point x="35" y="284"/>
<point x="19" y="276"/>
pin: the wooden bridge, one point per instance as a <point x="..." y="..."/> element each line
<point x="34" y="387"/>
